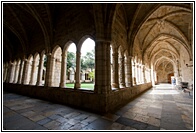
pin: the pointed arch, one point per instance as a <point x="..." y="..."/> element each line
<point x="56" y="66"/>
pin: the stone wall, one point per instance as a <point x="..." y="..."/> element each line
<point x="122" y="96"/>
<point x="79" y="98"/>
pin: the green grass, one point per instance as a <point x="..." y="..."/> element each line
<point x="86" y="86"/>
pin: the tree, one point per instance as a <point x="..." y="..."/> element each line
<point x="88" y="61"/>
<point x="92" y="74"/>
<point x="71" y="58"/>
<point x="45" y="61"/>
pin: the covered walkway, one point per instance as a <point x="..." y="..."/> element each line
<point x="160" y="108"/>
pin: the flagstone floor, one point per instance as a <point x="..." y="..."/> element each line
<point x="161" y="108"/>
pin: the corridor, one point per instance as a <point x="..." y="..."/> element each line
<point x="161" y="108"/>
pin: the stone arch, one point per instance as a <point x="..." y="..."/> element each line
<point x="78" y="58"/>
<point x="114" y="66"/>
<point x="64" y="71"/>
<point x="127" y="67"/>
<point x="29" y="69"/>
<point x="17" y="67"/>
<point x="42" y="69"/>
<point x="169" y="36"/>
<point x="121" y="72"/>
<point x="5" y="71"/>
<point x="119" y="35"/>
<point x="12" y="71"/>
<point x="161" y="50"/>
<point x="81" y="41"/>
<point x="35" y="67"/>
<point x="56" y="66"/>
<point x="164" y="67"/>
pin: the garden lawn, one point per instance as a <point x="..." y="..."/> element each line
<point x="86" y="86"/>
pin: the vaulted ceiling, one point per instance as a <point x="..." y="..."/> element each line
<point x="30" y="27"/>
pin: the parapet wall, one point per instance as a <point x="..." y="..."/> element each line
<point x="122" y="96"/>
<point x="79" y="98"/>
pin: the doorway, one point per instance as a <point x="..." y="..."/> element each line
<point x="169" y="77"/>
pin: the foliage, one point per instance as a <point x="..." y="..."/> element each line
<point x="88" y="61"/>
<point x="71" y="59"/>
<point x="92" y="74"/>
<point x="45" y="61"/>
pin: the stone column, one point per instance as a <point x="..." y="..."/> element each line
<point x="49" y="67"/>
<point x="78" y="68"/>
<point x="140" y="73"/>
<point x="20" y="72"/>
<point x="25" y="72"/>
<point x="144" y="74"/>
<point x="128" y="72"/>
<point x="178" y="78"/>
<point x="32" y="73"/>
<point x="83" y="76"/>
<point x="115" y="77"/>
<point x="8" y="73"/>
<point x="40" y="71"/>
<point x="12" y="72"/>
<point x="17" y="72"/>
<point x="5" y="72"/>
<point x="102" y="68"/>
<point x="134" y="73"/>
<point x="63" y="70"/>
<point x="122" y="72"/>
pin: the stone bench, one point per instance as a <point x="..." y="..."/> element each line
<point x="188" y="89"/>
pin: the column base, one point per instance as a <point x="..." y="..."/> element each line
<point x="39" y="83"/>
<point x="115" y="85"/>
<point x="102" y="89"/>
<point x="77" y="85"/>
<point x="122" y="85"/>
<point x="128" y="84"/>
<point x="62" y="84"/>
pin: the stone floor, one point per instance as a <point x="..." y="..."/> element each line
<point x="160" y="108"/>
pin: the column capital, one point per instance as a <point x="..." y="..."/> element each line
<point x="78" y="53"/>
<point x="115" y="54"/>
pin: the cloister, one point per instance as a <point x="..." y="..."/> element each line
<point x="137" y="46"/>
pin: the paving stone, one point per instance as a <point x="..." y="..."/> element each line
<point x="28" y="114"/>
<point x="37" y="118"/>
<point x="54" y="117"/>
<point x="125" y="121"/>
<point x="71" y="115"/>
<point x="128" y="128"/>
<point x="44" y="121"/>
<point x="64" y="126"/>
<point x="154" y="121"/>
<point x="62" y="120"/>
<point x="116" y="126"/>
<point x="147" y="112"/>
<point x="129" y="115"/>
<point x="77" y="126"/>
<point x="52" y="125"/>
<point x="172" y="126"/>
<point x="152" y="127"/>
<point x="89" y="119"/>
<point x="141" y="118"/>
<point x="111" y="117"/>
<point x="73" y="121"/>
<point x="81" y="117"/>
<point x="100" y="124"/>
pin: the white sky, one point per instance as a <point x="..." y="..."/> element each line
<point x="87" y="46"/>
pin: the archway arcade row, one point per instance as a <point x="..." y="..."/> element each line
<point x="50" y="70"/>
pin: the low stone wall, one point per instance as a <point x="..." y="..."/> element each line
<point x="79" y="98"/>
<point x="122" y="96"/>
